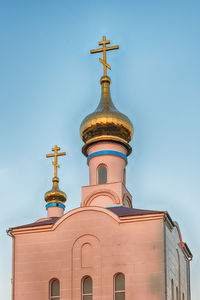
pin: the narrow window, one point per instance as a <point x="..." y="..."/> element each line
<point x="102" y="174"/>
<point x="54" y="289"/>
<point x="183" y="296"/>
<point x="176" y="293"/>
<point x="124" y="176"/>
<point x="172" y="289"/>
<point x="119" y="287"/>
<point x="86" y="288"/>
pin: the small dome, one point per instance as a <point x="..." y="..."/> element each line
<point x="106" y="122"/>
<point x="55" y="195"/>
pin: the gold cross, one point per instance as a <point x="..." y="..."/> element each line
<point x="104" y="49"/>
<point x="55" y="155"/>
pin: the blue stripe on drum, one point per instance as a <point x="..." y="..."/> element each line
<point x="55" y="205"/>
<point x="110" y="152"/>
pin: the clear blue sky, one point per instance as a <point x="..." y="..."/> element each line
<point x="49" y="83"/>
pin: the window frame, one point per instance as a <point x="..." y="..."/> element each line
<point x="51" y="297"/>
<point x="102" y="165"/>
<point x="82" y="285"/>
<point x="114" y="286"/>
<point x="172" y="289"/>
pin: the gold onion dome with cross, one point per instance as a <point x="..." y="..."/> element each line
<point x="55" y="197"/>
<point x="106" y="122"/>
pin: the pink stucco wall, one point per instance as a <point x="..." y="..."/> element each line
<point x="104" y="195"/>
<point x="91" y="241"/>
<point x="55" y="212"/>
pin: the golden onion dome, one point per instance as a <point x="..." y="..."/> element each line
<point x="106" y="122"/>
<point x="55" y="195"/>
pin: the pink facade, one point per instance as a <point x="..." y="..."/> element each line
<point x="96" y="242"/>
<point x="102" y="238"/>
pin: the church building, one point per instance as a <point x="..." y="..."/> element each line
<point x="105" y="249"/>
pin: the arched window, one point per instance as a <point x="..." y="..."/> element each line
<point x="119" y="287"/>
<point x="102" y="174"/>
<point x="183" y="296"/>
<point x="54" y="289"/>
<point x="86" y="288"/>
<point x="127" y="202"/>
<point x="172" y="289"/>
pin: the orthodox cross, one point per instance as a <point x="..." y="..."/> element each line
<point x="55" y="155"/>
<point x="104" y="49"/>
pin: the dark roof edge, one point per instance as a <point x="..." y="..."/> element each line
<point x="122" y="211"/>
<point x="34" y="224"/>
<point x="187" y="251"/>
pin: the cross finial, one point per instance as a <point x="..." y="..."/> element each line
<point x="104" y="49"/>
<point x="55" y="155"/>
